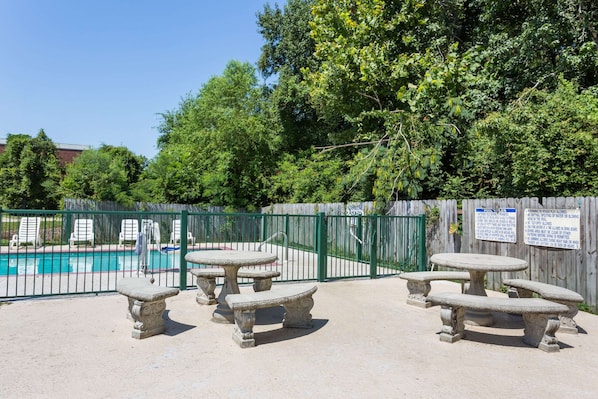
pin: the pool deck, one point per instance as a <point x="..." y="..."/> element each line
<point x="366" y="343"/>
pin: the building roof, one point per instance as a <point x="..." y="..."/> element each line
<point x="61" y="146"/>
<point x="66" y="152"/>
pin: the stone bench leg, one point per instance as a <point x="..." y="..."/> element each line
<point x="262" y="284"/>
<point x="513" y="292"/>
<point x="243" y="331"/>
<point x="520" y="293"/>
<point x="147" y="317"/>
<point x="298" y="314"/>
<point x="539" y="331"/>
<point x="418" y="291"/>
<point x="205" y="290"/>
<point x="568" y="325"/>
<point x="453" y="327"/>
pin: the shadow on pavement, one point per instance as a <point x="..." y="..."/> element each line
<point x="174" y="327"/>
<point x="284" y="334"/>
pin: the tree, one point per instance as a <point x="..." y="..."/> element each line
<point x="133" y="164"/>
<point x="288" y="50"/>
<point x="412" y="77"/>
<point x="394" y="71"/>
<point x="313" y="178"/>
<point x="220" y="146"/>
<point x="105" y="174"/>
<point x="301" y="173"/>
<point x="382" y="100"/>
<point x="525" y="42"/>
<point x="289" y="47"/>
<point x="29" y="172"/>
<point x="544" y="144"/>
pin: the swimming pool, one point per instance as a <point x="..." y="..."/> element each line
<point x="48" y="263"/>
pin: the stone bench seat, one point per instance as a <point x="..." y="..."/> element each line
<point x="539" y="315"/>
<point x="418" y="284"/>
<point x="206" y="281"/>
<point x="520" y="288"/>
<point x="147" y="302"/>
<point x="296" y="299"/>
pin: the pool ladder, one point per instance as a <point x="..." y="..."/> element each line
<point x="285" y="244"/>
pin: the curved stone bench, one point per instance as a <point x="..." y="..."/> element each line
<point x="146" y="305"/>
<point x="296" y="299"/>
<point x="418" y="284"/>
<point x="539" y="315"/>
<point x="206" y="281"/>
<point x="519" y="288"/>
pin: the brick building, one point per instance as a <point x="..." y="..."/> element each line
<point x="66" y="152"/>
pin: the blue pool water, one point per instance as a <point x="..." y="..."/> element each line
<point x="43" y="263"/>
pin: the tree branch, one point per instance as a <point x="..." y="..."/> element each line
<point x="334" y="147"/>
<point x="527" y="92"/>
<point x="373" y="158"/>
<point x="376" y="99"/>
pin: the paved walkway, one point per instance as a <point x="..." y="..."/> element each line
<point x="367" y="343"/>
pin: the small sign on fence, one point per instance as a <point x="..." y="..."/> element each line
<point x="558" y="228"/>
<point x="354" y="212"/>
<point x="491" y="225"/>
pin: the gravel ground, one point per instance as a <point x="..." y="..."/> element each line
<point x="366" y="342"/>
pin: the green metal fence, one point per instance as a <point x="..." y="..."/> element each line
<point x="61" y="260"/>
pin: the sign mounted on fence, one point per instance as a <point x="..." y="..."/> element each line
<point x="496" y="226"/>
<point x="558" y="228"/>
<point x="354" y="212"/>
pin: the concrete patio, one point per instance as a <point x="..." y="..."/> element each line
<point x="367" y="342"/>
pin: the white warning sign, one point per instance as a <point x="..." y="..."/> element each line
<point x="558" y="228"/>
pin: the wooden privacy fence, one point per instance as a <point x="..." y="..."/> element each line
<point x="575" y="269"/>
<point x="73" y="204"/>
<point x="450" y="229"/>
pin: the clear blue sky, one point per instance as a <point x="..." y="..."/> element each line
<point x="96" y="72"/>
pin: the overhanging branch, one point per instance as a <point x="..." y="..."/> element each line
<point x="334" y="147"/>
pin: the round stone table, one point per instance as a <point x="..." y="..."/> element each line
<point x="231" y="262"/>
<point x="478" y="265"/>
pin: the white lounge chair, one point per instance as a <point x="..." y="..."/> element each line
<point x="129" y="231"/>
<point x="28" y="232"/>
<point x="175" y="235"/>
<point x="82" y="232"/>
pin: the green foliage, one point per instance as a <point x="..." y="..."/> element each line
<point x="413" y="77"/>
<point x="310" y="178"/>
<point x="386" y="56"/>
<point x="29" y="173"/>
<point x="584" y="307"/>
<point x="289" y="46"/>
<point x="105" y="174"/>
<point x="288" y="50"/>
<point x="544" y="144"/>
<point x="218" y="146"/>
<point x="526" y="41"/>
<point x="395" y="72"/>
<point x="432" y="214"/>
